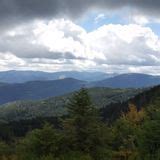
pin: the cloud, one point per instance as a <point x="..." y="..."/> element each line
<point x="16" y="11"/>
<point x="8" y="60"/>
<point x="141" y="20"/>
<point x="61" y="36"/>
<point x="126" y="44"/>
<point x="99" y="17"/>
<point x="61" y="44"/>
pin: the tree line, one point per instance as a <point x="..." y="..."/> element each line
<point x="82" y="135"/>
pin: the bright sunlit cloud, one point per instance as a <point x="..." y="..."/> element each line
<point x="109" y="36"/>
<point x="61" y="44"/>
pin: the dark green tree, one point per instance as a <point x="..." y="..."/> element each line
<point x="41" y="142"/>
<point x="149" y="138"/>
<point x="83" y="128"/>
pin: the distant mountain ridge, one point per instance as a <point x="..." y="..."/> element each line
<point x="132" y="80"/>
<point x="35" y="90"/>
<point x="56" y="106"/>
<point x="42" y="89"/>
<point x="14" y="76"/>
<point x="111" y="102"/>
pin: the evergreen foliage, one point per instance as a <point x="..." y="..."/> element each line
<point x="82" y="135"/>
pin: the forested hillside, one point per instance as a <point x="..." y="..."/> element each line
<point x="36" y="90"/>
<point x="56" y="106"/>
<point x="84" y="135"/>
<point x="42" y="89"/>
<point x="140" y="100"/>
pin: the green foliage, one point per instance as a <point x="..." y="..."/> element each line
<point x="125" y="134"/>
<point x="150" y="139"/>
<point x="4" y="149"/>
<point x="83" y="136"/>
<point x="41" y="142"/>
<point x="75" y="155"/>
<point x="55" y="106"/>
<point x="83" y="128"/>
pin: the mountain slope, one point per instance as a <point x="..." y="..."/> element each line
<point x="25" y="76"/>
<point x="56" y="106"/>
<point x="112" y="103"/>
<point x="3" y="84"/>
<point x="132" y="80"/>
<point x="143" y="99"/>
<point x="38" y="89"/>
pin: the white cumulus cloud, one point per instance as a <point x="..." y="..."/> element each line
<point x="63" y="45"/>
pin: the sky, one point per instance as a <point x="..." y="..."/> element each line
<point x="112" y="36"/>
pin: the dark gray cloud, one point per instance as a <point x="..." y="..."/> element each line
<point x="14" y="11"/>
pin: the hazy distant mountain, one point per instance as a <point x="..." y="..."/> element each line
<point x="25" y="76"/>
<point x="133" y="80"/>
<point x="41" y="89"/>
<point x="56" y="106"/>
<point x="38" y="89"/>
<point x="3" y="84"/>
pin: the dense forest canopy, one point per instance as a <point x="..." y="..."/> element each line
<point x="84" y="135"/>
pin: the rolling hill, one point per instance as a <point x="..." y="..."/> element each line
<point x="25" y="76"/>
<point x="133" y="80"/>
<point x="56" y="106"/>
<point x="111" y="102"/>
<point x="141" y="100"/>
<point x="38" y="89"/>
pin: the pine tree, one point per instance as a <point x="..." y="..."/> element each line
<point x="83" y="127"/>
<point x="41" y="142"/>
